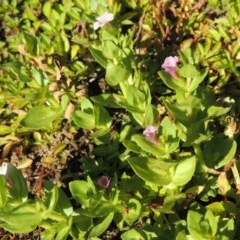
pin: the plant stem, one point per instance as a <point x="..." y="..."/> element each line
<point x="200" y="157"/>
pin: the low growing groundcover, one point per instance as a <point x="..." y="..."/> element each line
<point x="119" y="119"/>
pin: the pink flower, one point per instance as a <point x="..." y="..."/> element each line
<point x="104" y="182"/>
<point x="103" y="20"/>
<point x="150" y="133"/>
<point x="170" y="64"/>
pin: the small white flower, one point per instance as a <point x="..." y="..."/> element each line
<point x="103" y="20"/>
<point x="3" y="169"/>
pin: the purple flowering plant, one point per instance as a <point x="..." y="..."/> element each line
<point x="170" y="65"/>
<point x="105" y="182"/>
<point x="150" y="132"/>
<point x="102" y="134"/>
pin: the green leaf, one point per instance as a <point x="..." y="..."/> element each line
<point x="116" y="101"/>
<point x="102" y="135"/>
<point x="110" y="50"/>
<point x="13" y="66"/>
<point x="194" y="76"/>
<point x="213" y="3"/>
<point x="65" y="41"/>
<point x="74" y="12"/>
<point x="51" y="194"/>
<point x="170" y="201"/>
<point x="175" y="84"/>
<point x="151" y="115"/>
<point x="47" y="8"/>
<point x="168" y="130"/>
<point x="150" y="170"/>
<point x="134" y="234"/>
<point x="182" y="236"/>
<point x="41" y="78"/>
<point x="64" y="230"/>
<point x="31" y="44"/>
<point x="3" y="191"/>
<point x="135" y="97"/>
<point x="15" y="69"/>
<point x="193" y="220"/>
<point x="74" y="50"/>
<point x="227" y="229"/>
<point x="219" y="151"/>
<point x="125" y="131"/>
<point x="184" y="171"/>
<point x="83" y="120"/>
<point x="116" y="74"/>
<point x="82" y="191"/>
<point x="102" y="117"/>
<point x="134" y="211"/>
<point x="64" y="205"/>
<point x="101" y="227"/>
<point x="195" y="190"/>
<point x="108" y="100"/>
<point x="18" y="188"/>
<point x="168" y="135"/>
<point x="5" y="130"/>
<point x="194" y="83"/>
<point x="23" y="219"/>
<point x="222" y="207"/>
<point x="210" y="218"/>
<point x="132" y="146"/>
<point x="83" y="4"/>
<point x="30" y="14"/>
<point x="48" y="234"/>
<point x="148" y="146"/>
<point x="98" y="57"/>
<point x="178" y="113"/>
<point x="201" y="224"/>
<point x="41" y="117"/>
<point x="82" y="222"/>
<point x="102" y="209"/>
<point x="215" y="111"/>
<point x="189" y="71"/>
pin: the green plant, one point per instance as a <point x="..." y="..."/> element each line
<point x="151" y="87"/>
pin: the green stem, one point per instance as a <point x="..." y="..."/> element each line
<point x="200" y="157"/>
<point x="57" y="217"/>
